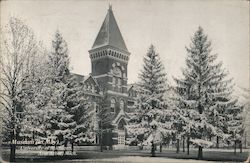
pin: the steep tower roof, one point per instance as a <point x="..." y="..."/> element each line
<point x="109" y="33"/>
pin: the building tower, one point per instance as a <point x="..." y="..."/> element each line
<point x="109" y="59"/>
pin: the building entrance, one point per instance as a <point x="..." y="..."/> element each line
<point x="121" y="132"/>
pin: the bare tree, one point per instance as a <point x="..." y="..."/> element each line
<point x="18" y="48"/>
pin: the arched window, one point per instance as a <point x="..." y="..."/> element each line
<point x="121" y="124"/>
<point x="112" y="105"/>
<point x="121" y="104"/>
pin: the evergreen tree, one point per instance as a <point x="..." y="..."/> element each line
<point x="59" y="120"/>
<point x="152" y="117"/>
<point x="235" y="125"/>
<point x="69" y="108"/>
<point x="204" y="94"/>
<point x="104" y="119"/>
<point x="245" y="101"/>
<point x="80" y="108"/>
<point x="56" y="104"/>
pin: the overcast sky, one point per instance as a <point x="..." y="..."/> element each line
<point x="168" y="25"/>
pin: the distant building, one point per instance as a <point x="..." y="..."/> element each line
<point x="109" y="59"/>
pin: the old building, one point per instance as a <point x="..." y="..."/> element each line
<point x="109" y="59"/>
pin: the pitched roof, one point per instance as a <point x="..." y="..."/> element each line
<point x="133" y="86"/>
<point x="119" y="116"/>
<point x="109" y="33"/>
<point x="79" y="78"/>
<point x="90" y="77"/>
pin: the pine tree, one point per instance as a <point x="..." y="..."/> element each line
<point x="152" y="118"/>
<point x="59" y="120"/>
<point x="104" y="119"/>
<point x="56" y="104"/>
<point x="245" y="101"/>
<point x="69" y="108"/>
<point x="204" y="94"/>
<point x="80" y="108"/>
<point x="235" y="125"/>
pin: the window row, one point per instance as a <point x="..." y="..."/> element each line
<point x="113" y="102"/>
<point x="116" y="81"/>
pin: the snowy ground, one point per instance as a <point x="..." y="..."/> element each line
<point x="169" y="156"/>
<point x="139" y="159"/>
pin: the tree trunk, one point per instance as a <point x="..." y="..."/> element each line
<point x="183" y="144"/>
<point x="200" y="153"/>
<point x="246" y="140"/>
<point x="177" y="146"/>
<point x="240" y="146"/>
<point x="101" y="142"/>
<point x="160" y="147"/>
<point x="13" y="146"/>
<point x="188" y="145"/>
<point x="217" y="141"/>
<point x="72" y="147"/>
<point x="65" y="146"/>
<point x="235" y="147"/>
<point x="153" y="149"/>
<point x="55" y="148"/>
<point x="12" y="152"/>
<point x="141" y="146"/>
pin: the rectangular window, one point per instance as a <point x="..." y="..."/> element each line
<point x="112" y="110"/>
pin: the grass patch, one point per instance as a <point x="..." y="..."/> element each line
<point x="208" y="155"/>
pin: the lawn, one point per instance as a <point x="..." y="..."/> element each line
<point x="209" y="155"/>
<point x="168" y="155"/>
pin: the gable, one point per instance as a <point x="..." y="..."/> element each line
<point x="90" y="84"/>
